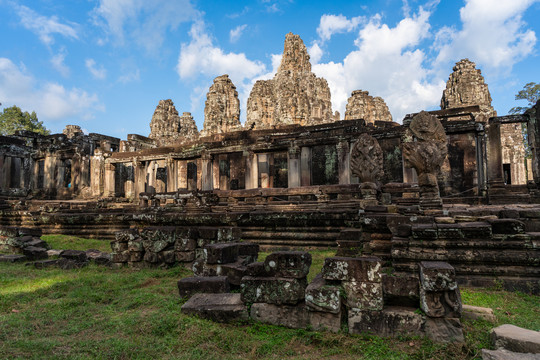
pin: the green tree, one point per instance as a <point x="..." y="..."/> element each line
<point x="531" y="93"/>
<point x="13" y="119"/>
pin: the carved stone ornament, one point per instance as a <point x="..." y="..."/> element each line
<point x="367" y="159"/>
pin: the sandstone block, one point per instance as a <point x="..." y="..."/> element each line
<point x="185" y="244"/>
<point x="75" y="255"/>
<point x="437" y="276"/>
<point x="516" y="339"/>
<point x="222" y="253"/>
<point x="438" y="304"/>
<point x="202" y="284"/>
<point x="43" y="264"/>
<point x="291" y="316"/>
<point x="477" y="312"/>
<point x="12" y="258"/>
<point x="503" y="354"/>
<point x="273" y="290"/>
<point x="476" y="230"/>
<point x="366" y="269"/>
<point x="136" y="256"/>
<point x="256" y="269"/>
<point x="35" y="253"/>
<point x="322" y="296"/>
<point x="325" y="321"/>
<point x="126" y="235"/>
<point x="444" y="330"/>
<point x="120" y="257"/>
<point x="185" y="256"/>
<point x="401" y="289"/>
<point x="249" y="251"/>
<point x="293" y="264"/>
<point x="506" y="226"/>
<point x="363" y="295"/>
<point x="226" y="308"/>
<point x="424" y="231"/>
<point x="390" y="322"/>
<point x="233" y="271"/>
<point x="135" y="245"/>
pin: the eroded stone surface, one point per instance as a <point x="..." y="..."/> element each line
<point x="202" y="284"/>
<point x="366" y="268"/>
<point x="389" y="322"/>
<point x="166" y="127"/>
<point x="295" y="317"/>
<point x="323" y="296"/>
<point x="503" y="354"/>
<point x="516" y="339"/>
<point x="217" y="307"/>
<point x="444" y="330"/>
<point x="293" y="264"/>
<point x="273" y="290"/>
<point x="361" y="105"/>
<point x="222" y="107"/>
<point x="294" y="96"/>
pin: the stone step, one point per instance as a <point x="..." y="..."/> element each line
<point x="516" y="339"/>
<point x="225" y="308"/>
<point x="503" y="354"/>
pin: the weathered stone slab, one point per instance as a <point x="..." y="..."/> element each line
<point x="476" y="312"/>
<point x="437" y="276"/>
<point x="273" y="290"/>
<point x="135" y="245"/>
<point x="507" y="226"/>
<point x="476" y="230"/>
<point x="503" y="354"/>
<point x="363" y="295"/>
<point x="365" y="269"/>
<point x="202" y="284"/>
<point x="98" y="257"/>
<point x="42" y="264"/>
<point x="54" y="252"/>
<point x="120" y="257"/>
<point x="291" y="316"/>
<point x="289" y="264"/>
<point x="444" y="330"/>
<point x="222" y="253"/>
<point x="516" y="339"/>
<point x="126" y="235"/>
<point x="76" y="255"/>
<point x="226" y="308"/>
<point x="256" y="269"/>
<point x="323" y="296"/>
<point x="249" y="251"/>
<point x="185" y="244"/>
<point x="325" y="321"/>
<point x="12" y="258"/>
<point x="401" y="286"/>
<point x="70" y="264"/>
<point x="390" y="322"/>
<point x="35" y="253"/>
<point x="185" y="256"/>
<point x="424" y="231"/>
<point x="233" y="271"/>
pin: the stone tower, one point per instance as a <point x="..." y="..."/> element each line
<point x="466" y="87"/>
<point x="222" y="107"/>
<point x="363" y="106"/>
<point x="167" y="127"/>
<point x="294" y="96"/>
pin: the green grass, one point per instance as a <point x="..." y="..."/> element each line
<point x="64" y="242"/>
<point x="102" y="313"/>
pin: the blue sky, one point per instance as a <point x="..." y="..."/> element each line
<point x="105" y="64"/>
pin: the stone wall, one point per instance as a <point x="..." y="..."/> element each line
<point x="294" y="96"/>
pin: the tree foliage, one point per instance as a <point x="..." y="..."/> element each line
<point x="531" y="93"/>
<point x="13" y="119"/>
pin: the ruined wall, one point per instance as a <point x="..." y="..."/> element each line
<point x="222" y="107"/>
<point x="513" y="153"/>
<point x="361" y="105"/>
<point x="294" y="96"/>
<point x="166" y="127"/>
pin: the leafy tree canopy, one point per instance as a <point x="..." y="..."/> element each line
<point x="531" y="93"/>
<point x="13" y="119"/>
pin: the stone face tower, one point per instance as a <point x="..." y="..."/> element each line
<point x="167" y="127"/>
<point x="294" y="96"/>
<point x="465" y="87"/>
<point x="222" y="107"/>
<point x="363" y="106"/>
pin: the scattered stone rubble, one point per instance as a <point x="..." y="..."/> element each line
<point x="349" y="292"/>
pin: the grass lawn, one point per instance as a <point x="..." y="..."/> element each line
<point x="96" y="312"/>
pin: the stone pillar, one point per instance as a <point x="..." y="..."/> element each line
<point x="96" y="180"/>
<point x="6" y="173"/>
<point x="35" y="175"/>
<point x="215" y="172"/>
<point x="264" y="170"/>
<point x="533" y="137"/>
<point x="182" y="174"/>
<point x="495" y="177"/>
<point x="171" y="175"/>
<point x="151" y="171"/>
<point x="61" y="172"/>
<point x="305" y="166"/>
<point x="252" y="170"/>
<point x="48" y="175"/>
<point x="129" y="186"/>
<point x="207" y="176"/>
<point x="481" y="160"/>
<point x="294" y="166"/>
<point x="139" y="175"/>
<point x="224" y="171"/>
<point x="109" y="182"/>
<point x="344" y="157"/>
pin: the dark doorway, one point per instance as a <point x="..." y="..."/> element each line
<point x="507" y="174"/>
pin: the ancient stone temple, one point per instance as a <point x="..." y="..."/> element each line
<point x="466" y="87"/>
<point x="222" y="107"/>
<point x="294" y="96"/>
<point x="167" y="127"/>
<point x="361" y="105"/>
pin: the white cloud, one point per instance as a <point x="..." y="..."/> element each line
<point x="493" y="34"/>
<point x="58" y="64"/>
<point x="51" y="101"/>
<point x="315" y="53"/>
<point x="386" y="64"/>
<point x="97" y="72"/>
<point x="236" y="33"/>
<point x="43" y="26"/>
<point x="335" y="24"/>
<point x="200" y="56"/>
<point x="144" y="22"/>
<point x="128" y="77"/>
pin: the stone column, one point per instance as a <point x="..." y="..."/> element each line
<point x="151" y="171"/>
<point x="264" y="169"/>
<point x="172" y="185"/>
<point x="48" y="175"/>
<point x="129" y="186"/>
<point x="224" y="171"/>
<point x="305" y="166"/>
<point x="207" y="176"/>
<point x="252" y="170"/>
<point x="6" y="173"/>
<point x="215" y="172"/>
<point x="344" y="157"/>
<point x="294" y="166"/>
<point x="109" y="189"/>
<point x="495" y="177"/>
<point x="59" y="181"/>
<point x="481" y="160"/>
<point x="182" y="174"/>
<point x="139" y="174"/>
